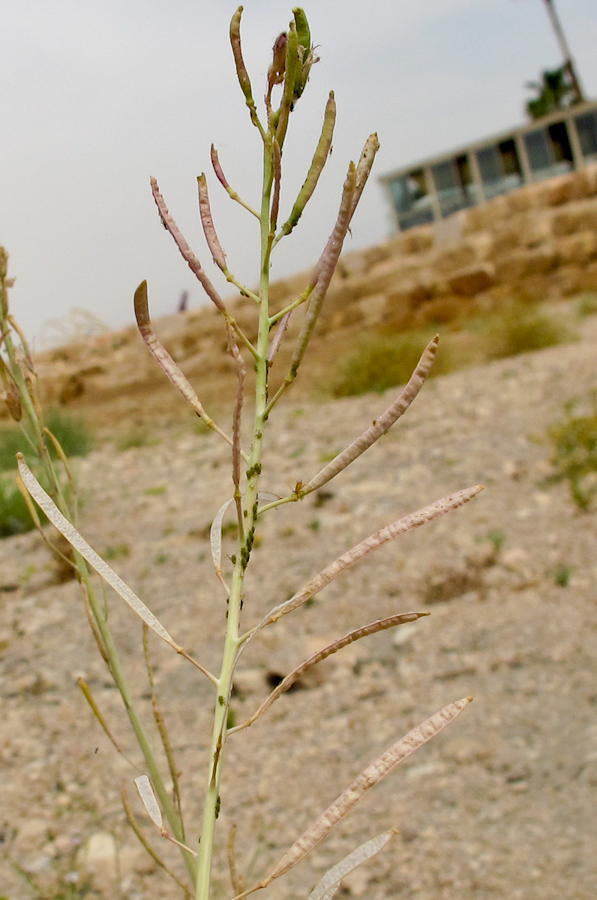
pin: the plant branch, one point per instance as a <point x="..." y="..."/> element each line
<point x="68" y="531"/>
<point x="130" y="815"/>
<point x="186" y="252"/>
<point x="379" y="426"/>
<point x="213" y="242"/>
<point x="368" y="778"/>
<point x="292" y="677"/>
<point x="241" y="69"/>
<point x="162" y="729"/>
<point x="224" y="182"/>
<point x="319" y="160"/>
<point x="166" y="363"/>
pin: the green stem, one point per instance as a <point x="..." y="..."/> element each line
<point x="131" y="711"/>
<point x="299" y="300"/>
<point x="293" y="498"/>
<point x="34" y="422"/>
<point x="99" y="614"/>
<point x="232" y="641"/>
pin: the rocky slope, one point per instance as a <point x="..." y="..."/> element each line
<point x="501" y="805"/>
<point x="537" y="243"/>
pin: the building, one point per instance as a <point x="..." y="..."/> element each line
<point x="434" y="189"/>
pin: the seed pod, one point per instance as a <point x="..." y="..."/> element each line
<point x="303" y="32"/>
<point x="305" y="52"/>
<point x="13" y="401"/>
<point x="275" y="73"/>
<point x="241" y="69"/>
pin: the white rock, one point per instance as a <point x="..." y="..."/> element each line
<point x="403" y="634"/>
<point x="99" y="856"/>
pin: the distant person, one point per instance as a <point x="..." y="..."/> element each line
<point x="183" y="302"/>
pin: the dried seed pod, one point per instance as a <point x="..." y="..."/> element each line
<point x="275" y="73"/>
<point x="12" y="399"/>
<point x="367" y="779"/>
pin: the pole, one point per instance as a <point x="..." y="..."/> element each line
<point x="561" y="37"/>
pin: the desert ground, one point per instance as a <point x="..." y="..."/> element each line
<point x="500" y="805"/>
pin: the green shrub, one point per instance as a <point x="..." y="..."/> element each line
<point x="11" y="441"/>
<point x="378" y="362"/>
<point x="496" y="537"/>
<point x="75" y="439"/>
<point x="135" y="436"/>
<point x="521" y="330"/>
<point x="562" y="575"/>
<point x="587" y="305"/>
<point x="14" y="514"/>
<point x="574" y="456"/>
<point x="70" y="431"/>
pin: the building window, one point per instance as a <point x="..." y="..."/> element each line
<point x="549" y="151"/>
<point x="547" y="148"/>
<point x="500" y="168"/>
<point x="412" y="200"/>
<point x="586" y="125"/>
<point x="454" y="186"/>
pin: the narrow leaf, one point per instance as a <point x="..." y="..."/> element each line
<point x="329" y="884"/>
<point x="381" y="425"/>
<point x="359" y="551"/>
<point x="101" y="646"/>
<point x="368" y="778"/>
<point x="149" y="801"/>
<point x="30" y="506"/>
<point x="45" y="502"/>
<point x="63" y="459"/>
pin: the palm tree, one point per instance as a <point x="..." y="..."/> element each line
<point x="555" y="91"/>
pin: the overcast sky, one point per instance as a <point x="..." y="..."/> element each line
<point x="97" y="95"/>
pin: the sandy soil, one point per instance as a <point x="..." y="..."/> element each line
<point x="500" y="805"/>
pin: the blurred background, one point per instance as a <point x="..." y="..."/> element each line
<point x="98" y="96"/>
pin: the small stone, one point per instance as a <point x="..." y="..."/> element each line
<point x="472" y="280"/>
<point x="99" y="857"/>
<point x="403" y="634"/>
<point x="38" y="864"/>
<point x="250" y="681"/>
<point x="514" y="559"/>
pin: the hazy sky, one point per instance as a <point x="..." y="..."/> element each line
<point x="97" y="95"/>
